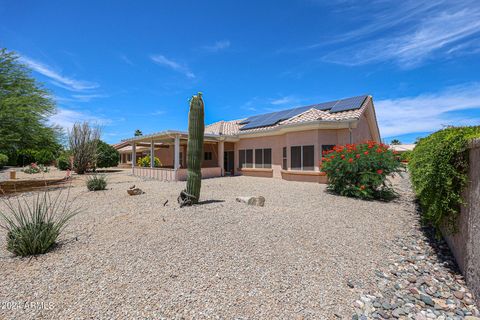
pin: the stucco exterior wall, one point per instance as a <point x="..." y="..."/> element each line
<point x="315" y="137"/>
<point x="206" y="173"/>
<point x="213" y="148"/>
<point x="465" y="244"/>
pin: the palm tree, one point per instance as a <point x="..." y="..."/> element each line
<point x="138" y="132"/>
<point x="395" y="141"/>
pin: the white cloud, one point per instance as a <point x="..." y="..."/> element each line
<point x="218" y="46"/>
<point x="408" y="33"/>
<point x="66" y="118"/>
<point x="283" y="100"/>
<point x="428" y="112"/>
<point x="57" y="78"/>
<point x="162" y="60"/>
<point x="125" y="59"/>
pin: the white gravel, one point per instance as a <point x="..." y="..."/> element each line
<point x="135" y="258"/>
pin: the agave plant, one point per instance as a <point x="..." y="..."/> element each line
<point x="33" y="226"/>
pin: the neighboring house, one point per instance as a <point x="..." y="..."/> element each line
<point x="287" y="144"/>
<point x="401" y="148"/>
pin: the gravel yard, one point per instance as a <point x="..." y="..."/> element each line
<point x="132" y="257"/>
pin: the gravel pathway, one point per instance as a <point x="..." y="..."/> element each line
<point x="132" y="257"/>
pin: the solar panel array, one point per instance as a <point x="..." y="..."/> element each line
<point x="348" y="104"/>
<point x="270" y="119"/>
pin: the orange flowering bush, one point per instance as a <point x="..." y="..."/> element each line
<point x="361" y="170"/>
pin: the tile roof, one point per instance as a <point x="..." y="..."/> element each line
<point x="313" y="114"/>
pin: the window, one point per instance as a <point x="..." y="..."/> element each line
<point x="327" y="147"/>
<point x="267" y="158"/>
<point x="296" y="158"/>
<point x="241" y="158"/>
<point x="263" y="158"/>
<point x="129" y="157"/>
<point x="284" y="156"/>
<point x="245" y="158"/>
<point x="307" y="158"/>
<point x="302" y="157"/>
<point x="208" y="155"/>
<point x="249" y="158"/>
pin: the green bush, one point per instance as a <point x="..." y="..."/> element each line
<point x="406" y="155"/>
<point x="107" y="156"/>
<point x="361" y="170"/>
<point x="145" y="162"/>
<point x="3" y="160"/>
<point x="96" y="182"/>
<point x="63" y="162"/>
<point x="33" y="227"/>
<point x="439" y="168"/>
<point x="26" y="157"/>
<point x="44" y="157"/>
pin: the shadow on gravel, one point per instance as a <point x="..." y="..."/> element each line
<point x="438" y="244"/>
<point x="209" y="202"/>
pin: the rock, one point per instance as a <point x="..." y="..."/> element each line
<point x="253" y="201"/>
<point x="459" y="294"/>
<point x="412" y="279"/>
<point x="359" y="304"/>
<point x="350" y="284"/>
<point x="398" y="312"/>
<point x="135" y="191"/>
<point x="427" y="300"/>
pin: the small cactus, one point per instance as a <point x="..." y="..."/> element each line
<point x="196" y="128"/>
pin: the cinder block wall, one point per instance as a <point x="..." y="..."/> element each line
<point x="465" y="244"/>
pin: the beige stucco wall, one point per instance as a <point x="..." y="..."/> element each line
<point x="316" y="137"/>
<point x="465" y="244"/>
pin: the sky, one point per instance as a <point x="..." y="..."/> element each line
<point x="129" y="65"/>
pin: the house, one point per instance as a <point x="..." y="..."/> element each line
<point x="286" y="144"/>
<point x="401" y="148"/>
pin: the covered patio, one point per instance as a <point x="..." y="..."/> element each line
<point x="170" y="147"/>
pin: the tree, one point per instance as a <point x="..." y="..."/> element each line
<point x="107" y="156"/>
<point x="83" y="140"/>
<point x="395" y="142"/>
<point x="138" y="133"/>
<point x="25" y="106"/>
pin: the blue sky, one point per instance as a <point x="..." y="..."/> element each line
<point x="133" y="65"/>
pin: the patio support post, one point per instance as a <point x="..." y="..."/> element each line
<point x="152" y="155"/>
<point x="134" y="157"/>
<point x="221" y="148"/>
<point x="176" y="151"/>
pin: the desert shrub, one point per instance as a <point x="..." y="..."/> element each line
<point x="145" y="162"/>
<point x="63" y="162"/>
<point x="34" y="168"/>
<point x="361" y="170"/>
<point x="96" y="182"/>
<point x="3" y="160"/>
<point x="405" y="156"/>
<point x="34" y="226"/>
<point x="83" y="140"/>
<point x="44" y="157"/>
<point x="439" y="174"/>
<point x="107" y="156"/>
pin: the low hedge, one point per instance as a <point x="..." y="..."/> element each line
<point x="439" y="174"/>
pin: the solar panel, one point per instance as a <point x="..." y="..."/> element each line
<point x="272" y="118"/>
<point x="348" y="104"/>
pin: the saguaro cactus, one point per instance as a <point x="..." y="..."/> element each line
<point x="196" y="129"/>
